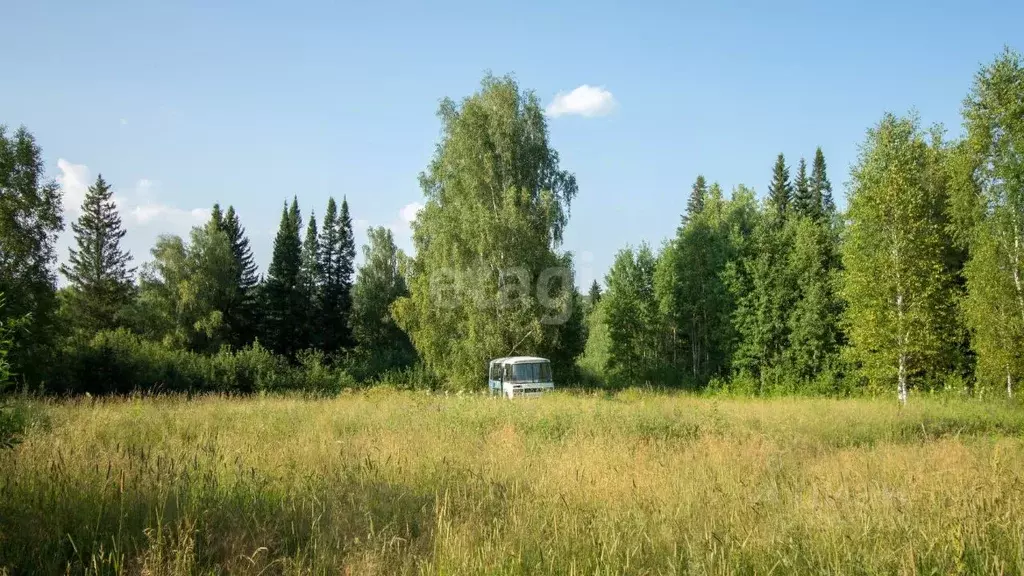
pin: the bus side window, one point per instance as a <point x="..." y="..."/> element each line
<point x="508" y="372"/>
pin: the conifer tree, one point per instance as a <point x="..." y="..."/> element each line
<point x="217" y="216"/>
<point x="309" y="284"/>
<point x="337" y="252"/>
<point x="804" y="201"/>
<point x="780" y="191"/>
<point x="814" y="322"/>
<point x="698" y="193"/>
<point x="821" y="188"/>
<point x="241" y="319"/>
<point x="346" y="273"/>
<point x="594" y="296"/>
<point x="765" y="299"/>
<point x="101" y="284"/>
<point x="285" y="312"/>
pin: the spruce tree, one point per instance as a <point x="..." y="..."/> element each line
<point x="346" y="271"/>
<point x="765" y="300"/>
<point x="594" y="296"/>
<point x="804" y="201"/>
<point x="216" y="216"/>
<point x="248" y="273"/>
<point x="814" y="321"/>
<point x="285" y="319"/>
<point x="242" y="316"/>
<point x="309" y="284"/>
<point x="101" y="284"/>
<point x="821" y="188"/>
<point x="698" y="194"/>
<point x="337" y="250"/>
<point x="780" y="191"/>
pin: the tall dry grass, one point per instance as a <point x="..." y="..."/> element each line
<point x="394" y="483"/>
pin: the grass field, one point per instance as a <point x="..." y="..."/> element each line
<point x="393" y="483"/>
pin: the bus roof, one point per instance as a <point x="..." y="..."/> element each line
<point x="519" y="360"/>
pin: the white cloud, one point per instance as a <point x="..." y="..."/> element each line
<point x="585" y="101"/>
<point x="143" y="208"/>
<point x="410" y="211"/>
<point x="74" y="181"/>
<point x="360" y="224"/>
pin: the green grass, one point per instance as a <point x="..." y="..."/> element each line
<point x="393" y="483"/>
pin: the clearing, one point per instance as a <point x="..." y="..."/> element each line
<point x="389" y="483"/>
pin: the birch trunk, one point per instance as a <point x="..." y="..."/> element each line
<point x="901" y="384"/>
<point x="1009" y="382"/>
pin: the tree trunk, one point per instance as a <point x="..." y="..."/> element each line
<point x="1009" y="382"/>
<point x="901" y="388"/>
<point x="901" y="385"/>
<point x="1016" y="268"/>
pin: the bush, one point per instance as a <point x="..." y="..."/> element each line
<point x="415" y="377"/>
<point x="121" y="362"/>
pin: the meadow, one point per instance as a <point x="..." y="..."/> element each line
<point x="385" y="482"/>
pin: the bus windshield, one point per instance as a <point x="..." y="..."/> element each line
<point x="535" y="372"/>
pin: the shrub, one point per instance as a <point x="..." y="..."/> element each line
<point x="121" y="362"/>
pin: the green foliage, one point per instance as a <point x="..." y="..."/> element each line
<point x="814" y="322"/>
<point x="765" y="293"/>
<point x="310" y="287"/>
<point x="593" y="363"/>
<point x="486" y="281"/>
<point x="696" y="201"/>
<point x="285" y="322"/>
<point x="594" y="294"/>
<point x="383" y="346"/>
<point x="241" y="317"/>
<point x="783" y="297"/>
<point x="337" y="254"/>
<point x="900" y="316"/>
<point x="30" y="219"/>
<point x="821" y="188"/>
<point x="632" y="317"/>
<point x="806" y="202"/>
<point x="691" y="285"/>
<point x="987" y="204"/>
<point x="101" y="285"/>
<point x="121" y="362"/>
<point x="186" y="288"/>
<point x="11" y="421"/>
<point x="780" y="190"/>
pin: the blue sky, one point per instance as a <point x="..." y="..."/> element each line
<point x="183" y="104"/>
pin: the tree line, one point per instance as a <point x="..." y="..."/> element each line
<point x="202" y="294"/>
<point x="917" y="284"/>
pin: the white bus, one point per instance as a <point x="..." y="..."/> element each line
<point x="517" y="376"/>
